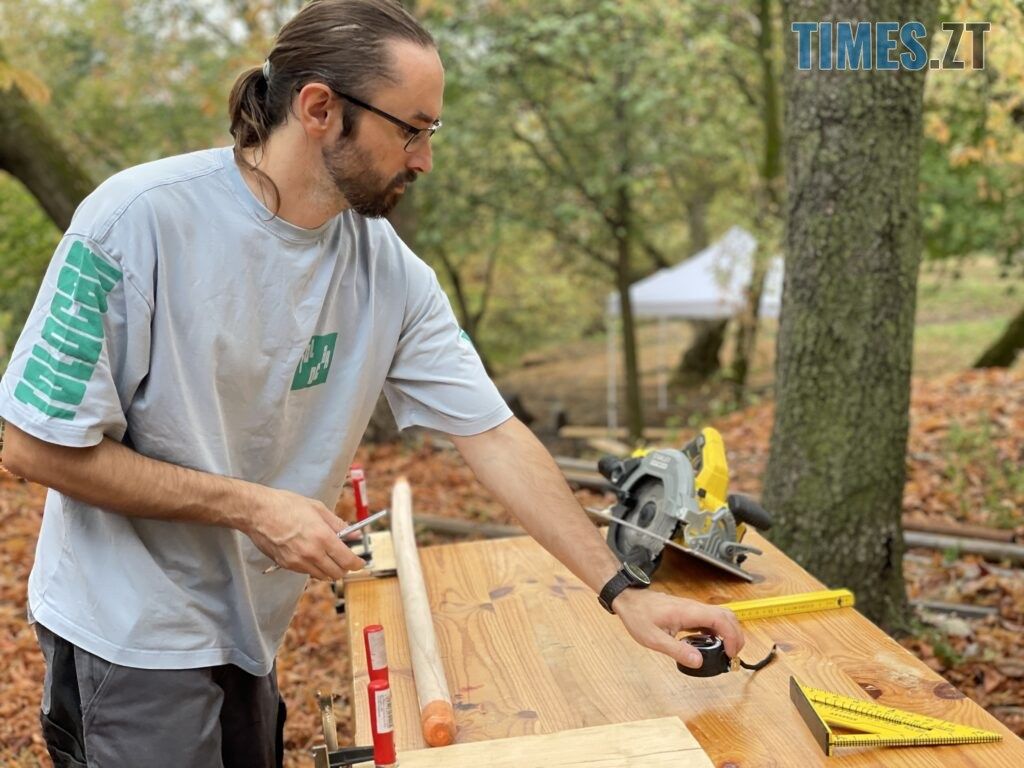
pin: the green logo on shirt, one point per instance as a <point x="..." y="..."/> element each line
<point x="72" y="336"/>
<point x="315" y="362"/>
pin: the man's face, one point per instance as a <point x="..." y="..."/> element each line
<point x="370" y="167"/>
<point x="367" y="191"/>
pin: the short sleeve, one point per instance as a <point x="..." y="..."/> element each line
<point x="436" y="379"/>
<point x="82" y="353"/>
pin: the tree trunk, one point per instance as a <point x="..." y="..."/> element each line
<point x="1005" y="349"/>
<point x="746" y="327"/>
<point x="468" y="319"/>
<point x="701" y="360"/>
<point x="634" y="406"/>
<point x="31" y="153"/>
<point x="697" y="220"/>
<point x="836" y="467"/>
<point x="624" y="234"/>
<point x="769" y="193"/>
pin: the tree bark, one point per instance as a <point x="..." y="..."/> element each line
<point x="1004" y="350"/>
<point x="771" y="170"/>
<point x="625" y="235"/>
<point x="634" y="405"/>
<point x="697" y="219"/>
<point x="469" y="320"/>
<point x="769" y="193"/>
<point x="836" y="466"/>
<point x="701" y="360"/>
<point x="31" y="153"/>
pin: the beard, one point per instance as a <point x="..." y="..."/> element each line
<point x="366" y="191"/>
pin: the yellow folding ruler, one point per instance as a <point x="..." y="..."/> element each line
<point x="784" y="605"/>
<point x="877" y="726"/>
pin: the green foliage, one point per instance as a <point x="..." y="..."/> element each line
<point x="576" y="136"/>
<point x="972" y="167"/>
<point x="555" y="111"/>
<point x="586" y="104"/>
<point x="135" y="81"/>
<point x="27" y="240"/>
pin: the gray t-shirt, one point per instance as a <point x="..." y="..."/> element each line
<point x="180" y="317"/>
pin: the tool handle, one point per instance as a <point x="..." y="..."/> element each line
<point x="746" y="510"/>
<point x="358" y="476"/>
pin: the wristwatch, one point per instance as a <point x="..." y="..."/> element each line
<point x="628" y="576"/>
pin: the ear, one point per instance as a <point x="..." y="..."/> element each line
<point x="316" y="107"/>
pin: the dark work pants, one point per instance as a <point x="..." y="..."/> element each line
<point x="103" y="715"/>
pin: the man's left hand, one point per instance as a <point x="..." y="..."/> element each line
<point x="655" y="618"/>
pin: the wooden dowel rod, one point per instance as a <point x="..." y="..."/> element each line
<point x="437" y="717"/>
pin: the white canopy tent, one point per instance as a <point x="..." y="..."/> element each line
<point x="711" y="285"/>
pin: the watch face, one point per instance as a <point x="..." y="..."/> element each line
<point x="636" y="574"/>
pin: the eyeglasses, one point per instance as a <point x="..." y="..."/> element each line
<point x="417" y="136"/>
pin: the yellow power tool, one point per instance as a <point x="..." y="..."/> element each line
<point x="679" y="498"/>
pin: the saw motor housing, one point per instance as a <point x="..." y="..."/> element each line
<point x="680" y="495"/>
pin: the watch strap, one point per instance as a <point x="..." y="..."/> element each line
<point x="614" y="587"/>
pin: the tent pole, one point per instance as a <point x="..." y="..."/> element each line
<point x="663" y="365"/>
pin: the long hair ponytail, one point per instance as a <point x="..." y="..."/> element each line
<point x="247" y="106"/>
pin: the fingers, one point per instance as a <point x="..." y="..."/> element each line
<point x="678" y="650"/>
<point x="336" y="550"/>
<point x="304" y="539"/>
<point x="655" y="619"/>
<point x="342" y="558"/>
<point x="723" y="622"/>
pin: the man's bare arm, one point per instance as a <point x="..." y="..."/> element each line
<point x="294" y="531"/>
<point x="518" y="470"/>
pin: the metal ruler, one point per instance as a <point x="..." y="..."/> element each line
<point x="876" y="726"/>
<point x="784" y="605"/>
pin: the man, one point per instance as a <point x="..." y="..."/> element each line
<point x="193" y="381"/>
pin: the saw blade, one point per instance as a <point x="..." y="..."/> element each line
<point x="650" y="525"/>
<point x="606" y="515"/>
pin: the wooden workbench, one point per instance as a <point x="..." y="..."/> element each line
<point x="527" y="650"/>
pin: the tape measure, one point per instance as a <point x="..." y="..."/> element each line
<point x="877" y="726"/>
<point x="714" y="659"/>
<point x="785" y="605"/>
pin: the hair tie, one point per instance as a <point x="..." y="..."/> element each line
<point x="266" y="70"/>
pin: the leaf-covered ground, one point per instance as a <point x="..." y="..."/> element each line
<point x="965" y="463"/>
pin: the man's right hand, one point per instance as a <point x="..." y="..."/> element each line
<point x="296" y="532"/>
<point x="300" y="534"/>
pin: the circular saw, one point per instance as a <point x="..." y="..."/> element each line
<point x="678" y="498"/>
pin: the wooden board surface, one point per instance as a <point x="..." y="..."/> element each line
<point x="527" y="650"/>
<point x="661" y="743"/>
<point x="382" y="561"/>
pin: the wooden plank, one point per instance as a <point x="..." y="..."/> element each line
<point x="657" y="743"/>
<point x="382" y="561"/>
<point x="527" y="650"/>
<point x="661" y="743"/>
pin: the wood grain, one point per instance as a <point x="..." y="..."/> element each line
<point x="660" y="743"/>
<point x="527" y="650"/>
<point x="382" y="559"/>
